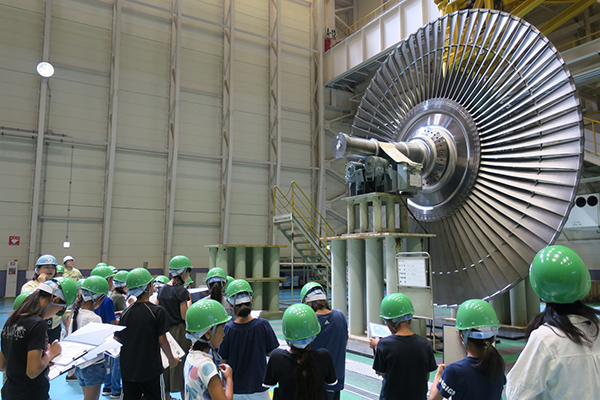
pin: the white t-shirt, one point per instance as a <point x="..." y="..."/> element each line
<point x="552" y="367"/>
<point x="198" y="370"/>
<point x="83" y="318"/>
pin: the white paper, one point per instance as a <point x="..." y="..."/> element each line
<point x="175" y="349"/>
<point x="71" y="351"/>
<point x="378" y="330"/>
<point x="93" y="333"/>
<point x="412" y="272"/>
<point x="256" y="313"/>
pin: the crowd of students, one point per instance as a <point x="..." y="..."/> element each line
<point x="231" y="354"/>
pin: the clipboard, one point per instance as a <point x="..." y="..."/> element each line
<point x="175" y="349"/>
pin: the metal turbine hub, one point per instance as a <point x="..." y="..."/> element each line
<point x="484" y="101"/>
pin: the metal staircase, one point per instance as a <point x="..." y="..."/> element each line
<point x="305" y="228"/>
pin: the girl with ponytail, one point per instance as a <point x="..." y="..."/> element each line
<point x="302" y="373"/>
<point x="481" y="374"/>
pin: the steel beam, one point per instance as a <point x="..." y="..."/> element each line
<point x="227" y="116"/>
<point x="356" y="286"/>
<point x="173" y="134"/>
<point x="112" y="126"/>
<point x="374" y="281"/>
<point x="526" y="7"/>
<point x="339" y="283"/>
<point x="564" y="16"/>
<point x="317" y="107"/>
<point x="274" y="108"/>
<point x="33" y="250"/>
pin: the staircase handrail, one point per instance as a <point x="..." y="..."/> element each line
<point x="595" y="125"/>
<point x="300" y="206"/>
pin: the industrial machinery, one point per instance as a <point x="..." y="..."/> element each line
<point x="476" y="117"/>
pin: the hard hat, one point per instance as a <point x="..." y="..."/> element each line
<point x="163" y="280"/>
<point x="101" y="264"/>
<point x="46" y="259"/>
<point x="95" y="284"/>
<point x="312" y="291"/>
<point x="138" y="278"/>
<point x="120" y="278"/>
<point x="113" y="269"/>
<point x="204" y="314"/>
<point x="229" y="280"/>
<point x="239" y="292"/>
<point x="216" y="274"/>
<point x="60" y="269"/>
<point x="558" y="275"/>
<point x="62" y="287"/>
<point x="21" y="298"/>
<point x="79" y="282"/>
<point x="68" y="258"/>
<point x="179" y="265"/>
<point x="300" y="325"/>
<point x="396" y="305"/>
<point x="477" y="319"/>
<point x="103" y="271"/>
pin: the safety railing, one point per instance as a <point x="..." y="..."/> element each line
<point x="367" y="18"/>
<point x="593" y="126"/>
<point x="575" y="42"/>
<point x="297" y="203"/>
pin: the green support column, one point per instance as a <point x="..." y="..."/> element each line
<point x="374" y="279"/>
<point x="363" y="217"/>
<point x="212" y="257"/>
<point x="258" y="266"/>
<point x="356" y="286"/>
<point x="391" y="268"/>
<point x="239" y="271"/>
<point x="271" y="300"/>
<point x="222" y="255"/>
<point x="339" y="284"/>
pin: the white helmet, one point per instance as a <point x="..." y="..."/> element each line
<point x="68" y="258"/>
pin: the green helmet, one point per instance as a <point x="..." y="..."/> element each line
<point x="161" y="279"/>
<point x="396" y="305"/>
<point x="300" y="323"/>
<point x="95" y="284"/>
<point x="101" y="264"/>
<point x="239" y="292"/>
<point x="229" y="280"/>
<point x="558" y="275"/>
<point x="80" y="282"/>
<point x="138" y="278"/>
<point x="21" y="298"/>
<point x="120" y="278"/>
<point x="204" y="314"/>
<point x="113" y="269"/>
<point x="62" y="287"/>
<point x="315" y="290"/>
<point x="103" y="271"/>
<point x="216" y="274"/>
<point x="188" y="282"/>
<point x="179" y="265"/>
<point x="60" y="269"/>
<point x="475" y="314"/>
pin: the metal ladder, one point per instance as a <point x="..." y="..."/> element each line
<point x="305" y="228"/>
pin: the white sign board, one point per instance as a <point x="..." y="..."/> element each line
<point x="412" y="271"/>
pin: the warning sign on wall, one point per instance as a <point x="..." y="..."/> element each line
<point x="14" y="240"/>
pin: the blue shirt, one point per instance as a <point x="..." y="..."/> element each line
<point x="463" y="381"/>
<point x="106" y="311"/>
<point x="245" y="347"/>
<point x="333" y="337"/>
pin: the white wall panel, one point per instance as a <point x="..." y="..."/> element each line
<point x="295" y="23"/>
<point x="201" y="55"/>
<point x="210" y="10"/>
<point x="252" y="16"/>
<point x="199" y="119"/>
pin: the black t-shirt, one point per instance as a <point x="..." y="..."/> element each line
<point x="406" y="362"/>
<point x="140" y="354"/>
<point x="171" y="297"/>
<point x="282" y="369"/>
<point x="28" y="333"/>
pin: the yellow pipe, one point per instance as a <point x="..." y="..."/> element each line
<point x="566" y="15"/>
<point x="525" y="7"/>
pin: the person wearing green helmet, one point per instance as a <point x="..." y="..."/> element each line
<point x="248" y="341"/>
<point x="20" y="298"/>
<point x="404" y="359"/>
<point x="175" y="298"/>
<point x="562" y="354"/>
<point x="333" y="335"/>
<point x="204" y="323"/>
<point x="481" y="374"/>
<point x="119" y="292"/>
<point x="301" y="372"/>
<point x="92" y="292"/>
<point x="228" y="281"/>
<point x="145" y="335"/>
<point x="60" y="271"/>
<point x="25" y="351"/>
<point x="216" y="279"/>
